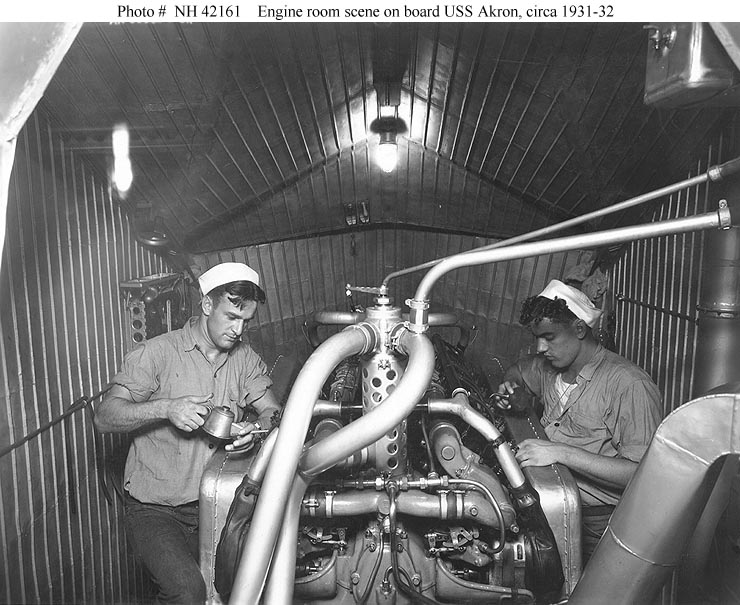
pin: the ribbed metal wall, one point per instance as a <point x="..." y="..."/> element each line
<point x="656" y="287"/>
<point x="306" y="275"/>
<point x="67" y="247"/>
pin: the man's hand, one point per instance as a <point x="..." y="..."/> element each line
<point x="244" y="435"/>
<point x="538" y="452"/>
<point x="505" y="389"/>
<point x="189" y="413"/>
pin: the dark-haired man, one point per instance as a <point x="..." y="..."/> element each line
<point x="161" y="395"/>
<point x="600" y="410"/>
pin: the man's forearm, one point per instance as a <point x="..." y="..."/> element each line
<point x="608" y="471"/>
<point x="120" y="415"/>
<point x="266" y="406"/>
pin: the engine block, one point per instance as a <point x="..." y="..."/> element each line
<point x="426" y="513"/>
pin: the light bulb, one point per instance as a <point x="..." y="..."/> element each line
<point x="387" y="155"/>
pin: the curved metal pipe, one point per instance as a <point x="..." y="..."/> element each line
<point x="714" y="173"/>
<point x="650" y="528"/>
<point x="337" y="318"/>
<point x="489" y="496"/>
<point x="329" y="426"/>
<point x="470" y="505"/>
<point x="281" y="470"/>
<point x="334" y="318"/>
<point x="329" y="451"/>
<point x="452" y="320"/>
<point x="440" y="319"/>
<point x="459" y="461"/>
<point x="325" y="408"/>
<point x="460" y="407"/>
<point x="419" y="304"/>
<point x="347" y="318"/>
<point x="281" y="579"/>
<point x="384" y="418"/>
<point x="261" y="459"/>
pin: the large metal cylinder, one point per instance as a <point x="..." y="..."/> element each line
<point x="717" y="349"/>
<point x="718" y="342"/>
<point x="651" y="526"/>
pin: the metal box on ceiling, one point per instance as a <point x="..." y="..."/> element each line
<point x="687" y="65"/>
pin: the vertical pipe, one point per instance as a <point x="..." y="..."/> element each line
<point x="280" y="583"/>
<point x="258" y="549"/>
<point x="717" y="350"/>
<point x="718" y="343"/>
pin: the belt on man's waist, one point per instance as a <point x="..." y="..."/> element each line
<point x="597" y="511"/>
<point x="130" y="498"/>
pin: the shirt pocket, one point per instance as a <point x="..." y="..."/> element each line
<point x="584" y="427"/>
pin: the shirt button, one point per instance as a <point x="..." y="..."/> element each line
<point x="210" y="446"/>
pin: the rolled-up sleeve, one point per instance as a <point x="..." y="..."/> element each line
<point x="139" y="372"/>
<point x="636" y="416"/>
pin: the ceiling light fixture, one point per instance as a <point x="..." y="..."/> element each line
<point x="387" y="125"/>
<point x="390" y="60"/>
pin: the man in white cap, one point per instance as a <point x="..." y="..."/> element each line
<point x="162" y="395"/>
<point x="599" y="409"/>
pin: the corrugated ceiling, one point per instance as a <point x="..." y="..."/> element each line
<point x="249" y="133"/>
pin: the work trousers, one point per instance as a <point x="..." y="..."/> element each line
<point x="165" y="541"/>
<point x="594" y="522"/>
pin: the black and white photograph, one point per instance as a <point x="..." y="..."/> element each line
<point x="369" y="304"/>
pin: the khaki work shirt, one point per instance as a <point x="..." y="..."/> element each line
<point x="613" y="411"/>
<point x="165" y="464"/>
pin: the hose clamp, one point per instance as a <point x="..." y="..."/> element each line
<point x="498" y="442"/>
<point x="329" y="504"/>
<point x="418" y="315"/>
<point x="723" y="212"/>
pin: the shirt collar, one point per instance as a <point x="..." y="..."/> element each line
<point x="587" y="371"/>
<point x="189" y="341"/>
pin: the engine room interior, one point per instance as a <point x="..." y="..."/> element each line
<point x="338" y="311"/>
